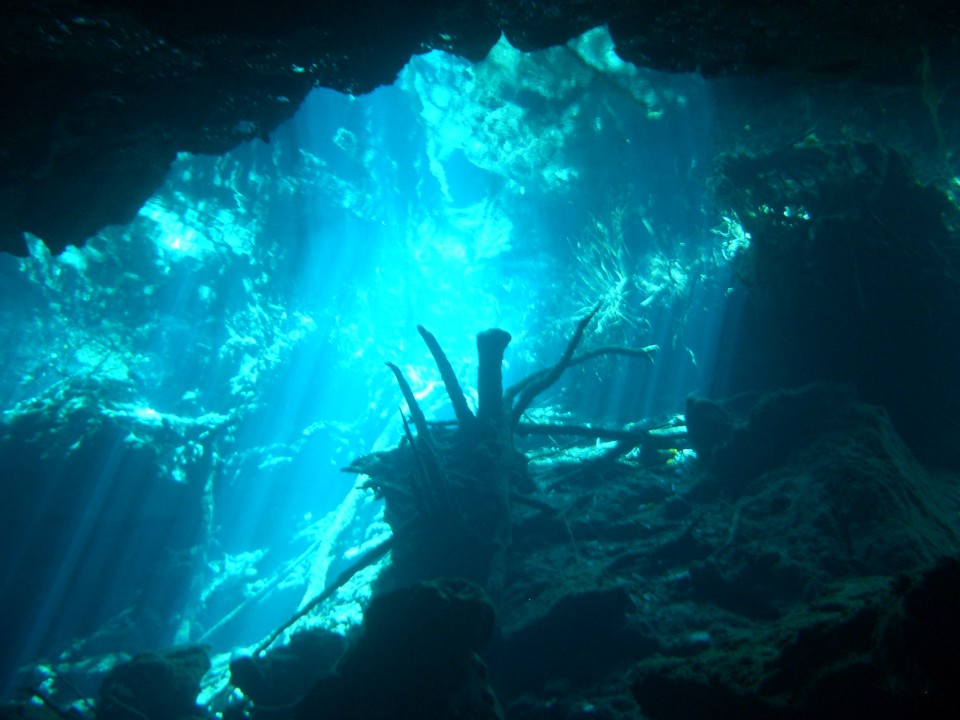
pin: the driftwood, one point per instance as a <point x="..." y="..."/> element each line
<point x="448" y="488"/>
<point x="657" y="438"/>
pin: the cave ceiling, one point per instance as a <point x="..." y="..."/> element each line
<point x="98" y="97"/>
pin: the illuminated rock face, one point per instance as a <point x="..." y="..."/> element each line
<point x="99" y="97"/>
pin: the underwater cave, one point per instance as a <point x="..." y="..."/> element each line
<point x="481" y="359"/>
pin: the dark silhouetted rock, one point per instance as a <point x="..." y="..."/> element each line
<point x="869" y="649"/>
<point x="161" y="686"/>
<point x="415" y="658"/>
<point x="288" y="672"/>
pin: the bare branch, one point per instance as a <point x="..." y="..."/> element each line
<point x="343" y="578"/>
<point x="645" y="352"/>
<point x="661" y="438"/>
<point x="416" y="414"/>
<point x="530" y="390"/>
<point x="450" y="382"/>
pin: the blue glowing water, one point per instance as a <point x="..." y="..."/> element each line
<point x="181" y="393"/>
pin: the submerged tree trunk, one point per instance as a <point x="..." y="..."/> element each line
<point x="448" y="489"/>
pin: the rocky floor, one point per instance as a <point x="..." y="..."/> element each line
<point x="808" y="567"/>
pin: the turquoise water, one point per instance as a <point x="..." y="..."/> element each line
<point x="182" y="392"/>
